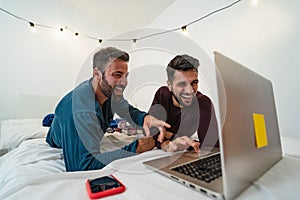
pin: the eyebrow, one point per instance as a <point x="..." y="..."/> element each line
<point x="120" y="72"/>
<point x="181" y="82"/>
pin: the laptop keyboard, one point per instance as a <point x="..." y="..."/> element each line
<point x="206" y="169"/>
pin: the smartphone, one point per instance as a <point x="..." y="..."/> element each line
<point x="104" y="186"/>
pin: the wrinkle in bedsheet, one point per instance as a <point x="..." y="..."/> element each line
<point x="32" y="159"/>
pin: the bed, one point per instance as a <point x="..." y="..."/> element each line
<point x="31" y="169"/>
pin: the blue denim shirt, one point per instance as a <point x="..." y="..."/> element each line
<point x="79" y="125"/>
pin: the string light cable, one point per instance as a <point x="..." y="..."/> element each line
<point x="183" y="28"/>
<point x="32" y="24"/>
<point x="100" y="40"/>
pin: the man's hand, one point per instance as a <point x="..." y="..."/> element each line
<point x="181" y="143"/>
<point x="145" y="144"/>
<point x="150" y="121"/>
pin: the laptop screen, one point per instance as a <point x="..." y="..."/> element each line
<point x="250" y="134"/>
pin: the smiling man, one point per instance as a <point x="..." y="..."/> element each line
<point x="187" y="110"/>
<point x="83" y="115"/>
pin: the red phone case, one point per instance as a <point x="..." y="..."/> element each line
<point x="106" y="192"/>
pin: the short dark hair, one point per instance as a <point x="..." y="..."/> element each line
<point x="181" y="63"/>
<point x="102" y="57"/>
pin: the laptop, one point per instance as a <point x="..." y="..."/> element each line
<point x="249" y="137"/>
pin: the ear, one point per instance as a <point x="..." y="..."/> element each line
<point x="169" y="85"/>
<point x="97" y="74"/>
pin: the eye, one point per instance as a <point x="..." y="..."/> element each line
<point x="181" y="84"/>
<point x="194" y="83"/>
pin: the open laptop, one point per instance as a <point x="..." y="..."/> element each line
<point x="249" y="137"/>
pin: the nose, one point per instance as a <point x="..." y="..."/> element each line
<point x="188" y="89"/>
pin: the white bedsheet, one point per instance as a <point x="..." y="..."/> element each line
<point x="36" y="171"/>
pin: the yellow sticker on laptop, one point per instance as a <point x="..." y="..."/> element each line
<point x="261" y="138"/>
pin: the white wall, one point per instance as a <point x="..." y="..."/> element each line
<point x="264" y="38"/>
<point x="44" y="63"/>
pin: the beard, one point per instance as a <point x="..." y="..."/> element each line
<point x="181" y="102"/>
<point x="106" y="89"/>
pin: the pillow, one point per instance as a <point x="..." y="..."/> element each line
<point x="14" y="131"/>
